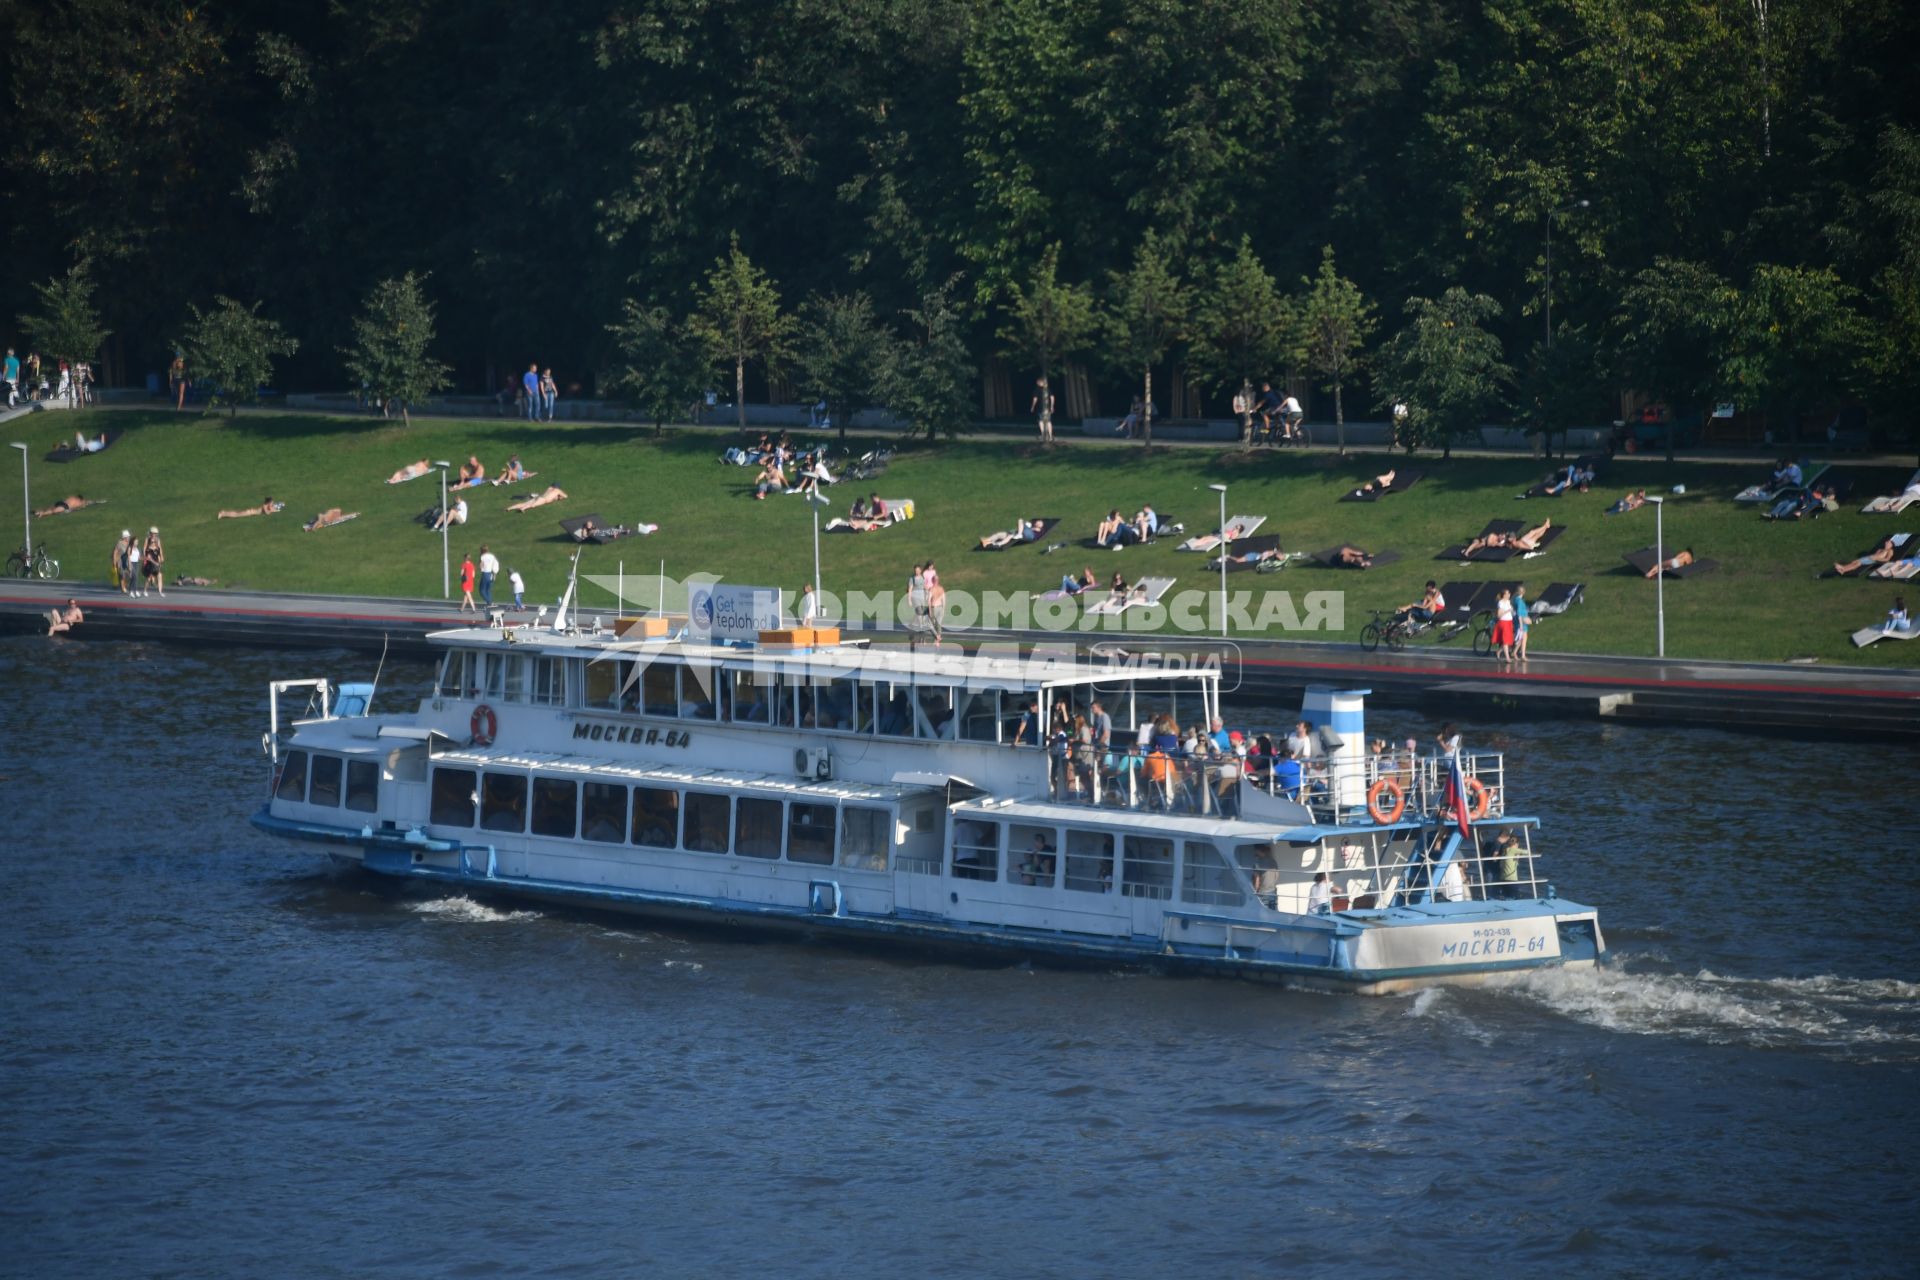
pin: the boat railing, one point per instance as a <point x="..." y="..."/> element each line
<point x="1370" y="870"/>
<point x="1389" y="786"/>
<point x="917" y="866"/>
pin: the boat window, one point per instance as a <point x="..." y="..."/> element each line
<point x="976" y="849"/>
<point x="864" y="838"/>
<point x="1032" y="856"/>
<point x="895" y="710"/>
<point x="1148" y="869"/>
<point x="757" y="830"/>
<point x="933" y="704"/>
<point x="1206" y="877"/>
<point x="810" y="834"/>
<point x="324" y="785"/>
<point x="503" y="802"/>
<point x="516" y="677"/>
<point x="1089" y="862"/>
<point x="549" y="682"/>
<point x="553" y="807"/>
<point x="706" y="815"/>
<point x="603" y="812"/>
<point x="489" y="671"/>
<point x="752" y="700"/>
<point x="447" y="679"/>
<point x="780" y="693"/>
<point x="451" y="802"/>
<point x="659" y="695"/>
<point x="293" y="777"/>
<point x="363" y="785"/>
<point x="832" y="705"/>
<point x="602" y="682"/>
<point x="697" y="686"/>
<point x="656" y="816"/>
<point x="979" y="714"/>
<point x="1262" y="866"/>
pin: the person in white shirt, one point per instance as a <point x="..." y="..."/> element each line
<point x="809" y="606"/>
<point x="1453" y="883"/>
<point x="1503" y="626"/>
<point x="519" y="586"/>
<point x="1320" y="897"/>
<point x="1897" y="619"/>
<point x="457" y="514"/>
<point x="1290" y="416"/>
<point x="489" y="570"/>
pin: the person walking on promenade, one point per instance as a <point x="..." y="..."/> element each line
<point x="1522" y="620"/>
<point x="519" y="586"/>
<point x="530" y="392"/>
<point x="549" y="394"/>
<point x="1042" y="408"/>
<point x="130" y="568"/>
<point x="466" y="584"/>
<point x="12" y="375"/>
<point x="118" y="567"/>
<point x="153" y="560"/>
<point x="489" y="568"/>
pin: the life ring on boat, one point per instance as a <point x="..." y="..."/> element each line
<point x="484" y="725"/>
<point x="1386" y="786"/>
<point x="1478" y="801"/>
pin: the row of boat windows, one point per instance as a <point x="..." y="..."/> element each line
<point x="329" y="781"/>
<point x="1148" y="866"/>
<point x="670" y="691"/>
<point x="518" y="803"/>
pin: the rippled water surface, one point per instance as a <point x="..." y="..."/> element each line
<point x="220" y="1057"/>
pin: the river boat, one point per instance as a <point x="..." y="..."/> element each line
<point x="840" y="790"/>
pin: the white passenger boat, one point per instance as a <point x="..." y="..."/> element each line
<point x="842" y="791"/>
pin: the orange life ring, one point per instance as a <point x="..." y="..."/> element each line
<point x="1478" y="801"/>
<point x="484" y="725"/>
<point x="1394" y="789"/>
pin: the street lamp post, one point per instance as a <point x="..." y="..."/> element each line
<point x="1222" y="491"/>
<point x="1660" y="576"/>
<point x="446" y="573"/>
<point x="26" y="506"/>
<point x="1577" y="204"/>
<point x="816" y="500"/>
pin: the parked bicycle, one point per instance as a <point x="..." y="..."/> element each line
<point x="37" y="565"/>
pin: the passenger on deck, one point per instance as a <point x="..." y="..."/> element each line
<point x="413" y="470"/>
<point x="1426" y="609"/>
<point x="1881" y="554"/>
<point x="1680" y="561"/>
<point x="1378" y="484"/>
<point x="266" y="508"/>
<point x="552" y="493"/>
<point x="1453" y="883"/>
<point x="1286" y="774"/>
<point x="65" y="505"/>
<point x="1506" y="860"/>
<point x="1320" y="896"/>
<point x="1632" y="502"/>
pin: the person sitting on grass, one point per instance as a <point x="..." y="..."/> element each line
<point x="1115" y="532"/>
<point x="1528" y="541"/>
<point x="771" y="480"/>
<point x="1023" y="531"/>
<point x="1897" y="619"/>
<point x="1379" y="484"/>
<point x="331" y="516"/>
<point x="1428" y="607"/>
<point x="471" y="472"/>
<point x="66" y="619"/>
<point x="1632" y="502"/>
<point x="266" y="508"/>
<point x="1081" y="585"/>
<point x="65" y="505"/>
<point x="552" y="493"/>
<point x="814" y="474"/>
<point x="1885" y="553"/>
<point x="412" y="471"/>
<point x="513" y="472"/>
<point x="456" y="514"/>
<point x="1118" y="590"/>
<point x="1680" y="561"/>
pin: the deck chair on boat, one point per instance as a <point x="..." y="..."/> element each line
<point x="65" y="451"/>
<point x="1557" y="598"/>
<point x="1403" y="479"/>
<point x="1238" y="528"/>
<point x="1643" y="560"/>
<point x="1330" y="558"/>
<point x="1145" y="594"/>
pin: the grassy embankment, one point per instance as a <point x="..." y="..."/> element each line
<point x="176" y="471"/>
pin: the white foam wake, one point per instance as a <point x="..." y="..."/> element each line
<point x="465" y="910"/>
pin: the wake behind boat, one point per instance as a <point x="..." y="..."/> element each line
<point x="798" y="783"/>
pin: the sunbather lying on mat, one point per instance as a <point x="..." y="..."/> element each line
<point x="1208" y="541"/>
<point x="552" y="493"/>
<point x="1881" y="554"/>
<point x="67" y="504"/>
<point x="1379" y="484"/>
<point x="266" y="508"/>
<point x="1574" y="476"/>
<point x="412" y="471"/>
<point x="1680" y="561"/>
<point x="1022" y="532"/>
<point x="1819" y="498"/>
<point x="1079" y="586"/>
<point x="331" y="516"/>
<point x="84" y="445"/>
<point x="1632" y="502"/>
<point x="1528" y="541"/>
<point x="457" y="514"/>
<point x="1270" y="555"/>
<point x="1352" y="558"/>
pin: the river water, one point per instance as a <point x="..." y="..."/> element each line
<point x="222" y="1057"/>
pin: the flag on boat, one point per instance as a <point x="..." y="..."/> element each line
<point x="1457" y="794"/>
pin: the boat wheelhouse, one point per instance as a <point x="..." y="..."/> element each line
<point x="879" y="792"/>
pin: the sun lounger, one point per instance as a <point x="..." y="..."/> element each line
<point x="1558" y="598"/>
<point x="1238" y="527"/>
<point x="1330" y="557"/>
<point x="1895" y="503"/>
<point x="1643" y="560"/>
<point x="1040" y="527"/>
<point x="1403" y="480"/>
<point x="1768" y="492"/>
<point x="1145" y="594"/>
<point x="1496" y="555"/>
<point x="1465" y="599"/>
<point x="1869" y="635"/>
<point x="65" y="452"/>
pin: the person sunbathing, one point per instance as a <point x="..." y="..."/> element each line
<point x="859" y="524"/>
<point x="471" y="472"/>
<point x="1680" y="561"/>
<point x="771" y="480"/>
<point x="189" y="580"/>
<point x="1379" y="484"/>
<point x="512" y="473"/>
<point x="1575" y="476"/>
<point x="1078" y="586"/>
<point x="1882" y="554"/>
<point x="456" y="514"/>
<point x="1116" y="531"/>
<point x="66" y="619"/>
<point x="412" y="471"/>
<point x="1528" y="541"/>
<point x="1023" y="531"/>
<point x="85" y="445"/>
<point x="1118" y="590"/>
<point x="1352" y="558"/>
<point x="552" y="493"/>
<point x="331" y="516"/>
<point x="1270" y="555"/>
<point x="266" y="508"/>
<point x="1632" y="502"/>
<point x="1805" y="503"/>
<point x="65" y="505"/>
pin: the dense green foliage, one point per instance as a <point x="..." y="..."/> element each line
<point x="544" y="169"/>
<point x="389" y="357"/>
<point x="232" y="347"/>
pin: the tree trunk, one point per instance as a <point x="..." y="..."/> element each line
<point x="740" y="390"/>
<point x="1339" y="419"/>
<point x="1146" y="413"/>
<point x="406" y="420"/>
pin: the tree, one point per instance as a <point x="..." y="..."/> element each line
<point x="1335" y="321"/>
<point x="845" y="355"/>
<point x="928" y="381"/>
<point x="662" y="363"/>
<point x="1667" y="334"/>
<point x="1561" y="385"/>
<point x="1446" y="368"/>
<point x="1241" y="331"/>
<point x="390" y="340"/>
<point x="232" y="347"/>
<point x="739" y="319"/>
<point x="1793" y="340"/>
<point x="1147" y="316"/>
<point x="66" y="327"/>
<point x="1045" y="318"/>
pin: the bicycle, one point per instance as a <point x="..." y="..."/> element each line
<point x="1391" y="628"/>
<point x="42" y="564"/>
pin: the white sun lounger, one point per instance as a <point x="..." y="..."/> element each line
<point x="1867" y="635"/>
<point x="1145" y="594"/>
<point x="1767" y="493"/>
<point x="1896" y="503"/>
<point x="1241" y="526"/>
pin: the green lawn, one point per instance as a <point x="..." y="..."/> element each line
<point x="176" y="471"/>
